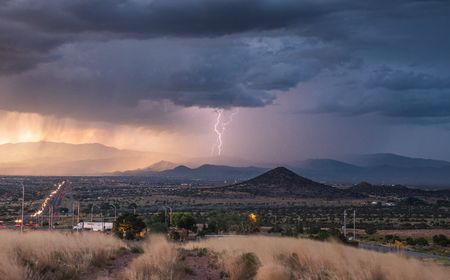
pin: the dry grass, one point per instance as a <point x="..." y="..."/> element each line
<point x="156" y="263"/>
<point x="289" y="258"/>
<point x="53" y="255"/>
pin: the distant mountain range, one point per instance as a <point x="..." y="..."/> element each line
<point x="148" y="171"/>
<point x="386" y="159"/>
<point x="377" y="169"/>
<point x="206" y="172"/>
<point x="48" y="158"/>
<point x="282" y="182"/>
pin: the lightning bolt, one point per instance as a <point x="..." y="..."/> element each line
<point x="219" y="128"/>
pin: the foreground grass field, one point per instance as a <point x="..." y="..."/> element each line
<point x="289" y="258"/>
<point x="53" y="255"/>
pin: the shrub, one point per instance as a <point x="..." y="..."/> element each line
<point x="441" y="240"/>
<point x="411" y="241"/>
<point x="158" y="227"/>
<point x="202" y="252"/>
<point x="246" y="267"/>
<point x="370" y="230"/>
<point x="128" y="226"/>
<point x="157" y="262"/>
<point x="422" y="241"/>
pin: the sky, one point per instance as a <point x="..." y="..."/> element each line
<point x="290" y="79"/>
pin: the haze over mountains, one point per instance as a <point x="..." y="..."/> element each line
<point x="377" y="169"/>
<point x="47" y="158"/>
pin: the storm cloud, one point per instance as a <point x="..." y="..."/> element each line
<point x="118" y="61"/>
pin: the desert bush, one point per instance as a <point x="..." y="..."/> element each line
<point x="441" y="240"/>
<point x="242" y="266"/>
<point x="53" y="255"/>
<point x="422" y="241"/>
<point x="273" y="271"/>
<point x="289" y="258"/>
<point x="370" y="229"/>
<point x="128" y="226"/>
<point x="411" y="241"/>
<point x="158" y="262"/>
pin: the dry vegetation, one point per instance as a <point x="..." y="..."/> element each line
<point x="53" y="255"/>
<point x="288" y="258"/>
<point x="157" y="262"/>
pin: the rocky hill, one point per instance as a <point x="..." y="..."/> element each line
<point x="282" y="182"/>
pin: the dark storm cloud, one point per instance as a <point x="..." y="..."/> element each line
<point x="21" y="49"/>
<point x="33" y="28"/>
<point x="104" y="81"/>
<point x="406" y="80"/>
<point x="105" y="59"/>
<point x="162" y="18"/>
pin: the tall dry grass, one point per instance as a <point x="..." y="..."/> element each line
<point x="158" y="262"/>
<point x="53" y="255"/>
<point x="289" y="258"/>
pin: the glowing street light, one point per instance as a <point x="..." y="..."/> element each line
<point x="252" y="217"/>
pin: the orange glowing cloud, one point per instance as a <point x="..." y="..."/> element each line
<point x="18" y="127"/>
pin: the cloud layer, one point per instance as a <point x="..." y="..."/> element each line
<point x="141" y="61"/>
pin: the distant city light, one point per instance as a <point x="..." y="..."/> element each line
<point x="47" y="200"/>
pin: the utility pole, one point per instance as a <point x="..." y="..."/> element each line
<point x="51" y="225"/>
<point x="165" y="216"/>
<point x="345" y="223"/>
<point x="50" y="214"/>
<point x="103" y="222"/>
<point x="78" y="215"/>
<point x="170" y="215"/>
<point x="23" y="206"/>
<point x="115" y="211"/>
<point x="73" y="214"/>
<point x="354" y="224"/>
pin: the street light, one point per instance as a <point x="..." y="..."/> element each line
<point x="92" y="210"/>
<point x="170" y="214"/>
<point x="115" y="211"/>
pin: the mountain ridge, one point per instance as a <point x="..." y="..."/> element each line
<point x="64" y="159"/>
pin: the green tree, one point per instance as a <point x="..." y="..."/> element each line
<point x="157" y="222"/>
<point x="128" y="226"/>
<point x="184" y="220"/>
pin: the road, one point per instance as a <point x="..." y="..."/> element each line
<point x="387" y="249"/>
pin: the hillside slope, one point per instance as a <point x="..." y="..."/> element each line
<point x="281" y="182"/>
